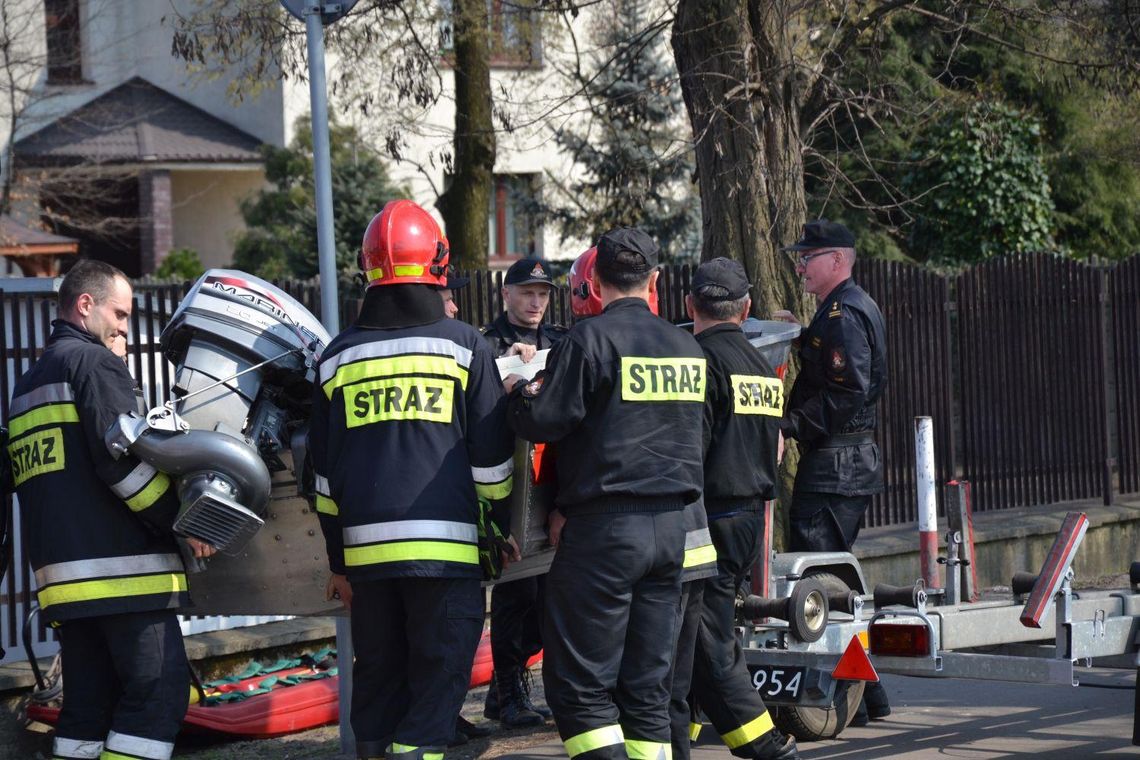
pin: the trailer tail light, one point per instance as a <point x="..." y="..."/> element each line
<point x="896" y="639"/>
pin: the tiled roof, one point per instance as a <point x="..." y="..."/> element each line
<point x="14" y="235"/>
<point x="134" y="122"/>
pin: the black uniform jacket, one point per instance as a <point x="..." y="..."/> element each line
<point x="742" y="422"/>
<point x="831" y="411"/>
<point x="623" y="395"/>
<point x="97" y="528"/>
<point x="408" y="431"/>
<point x="501" y="335"/>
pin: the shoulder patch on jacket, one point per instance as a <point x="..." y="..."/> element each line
<point x="835" y="310"/>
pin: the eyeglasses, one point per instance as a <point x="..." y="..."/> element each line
<point x="802" y="261"/>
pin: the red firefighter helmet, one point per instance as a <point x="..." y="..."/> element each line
<point x="403" y="244"/>
<point x="584" y="300"/>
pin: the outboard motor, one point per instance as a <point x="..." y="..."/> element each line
<point x="245" y="354"/>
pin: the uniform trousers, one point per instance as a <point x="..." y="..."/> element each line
<point x="516" y="622"/>
<point x="612" y="618"/>
<point x="127" y="686"/>
<point x="825" y="522"/>
<point x="680" y="710"/>
<point x="722" y="685"/>
<point x="415" y="641"/>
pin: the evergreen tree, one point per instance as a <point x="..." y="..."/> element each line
<point x="634" y="152"/>
<point x="281" y="235"/>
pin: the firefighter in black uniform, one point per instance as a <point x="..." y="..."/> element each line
<point x="516" y="607"/>
<point x="831" y="410"/>
<point x="411" y="453"/>
<point x="622" y="395"/>
<point x="700" y="556"/>
<point x="108" y="571"/>
<point x="741" y="440"/>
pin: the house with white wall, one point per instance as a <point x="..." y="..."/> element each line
<point x="102" y="91"/>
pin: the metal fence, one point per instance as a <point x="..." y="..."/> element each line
<point x="1029" y="365"/>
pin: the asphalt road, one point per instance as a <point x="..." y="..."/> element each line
<point x="972" y="719"/>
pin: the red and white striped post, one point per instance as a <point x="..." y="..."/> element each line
<point x="927" y="501"/>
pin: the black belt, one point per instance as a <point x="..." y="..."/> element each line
<point x="846" y="439"/>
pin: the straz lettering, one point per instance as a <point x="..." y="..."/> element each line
<point x="756" y="394"/>
<point x="654" y="379"/>
<point x="36" y="453"/>
<point x="399" y="398"/>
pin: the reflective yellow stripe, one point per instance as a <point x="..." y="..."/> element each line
<point x="327" y="506"/>
<point x="390" y="366"/>
<point x="700" y="555"/>
<point x="149" y="495"/>
<point x="36" y="454"/>
<point x="670" y="379"/>
<point x="757" y="394"/>
<point x="638" y="749"/>
<point x="695" y="731"/>
<point x="108" y="755"/>
<point x="596" y="739"/>
<point x="399" y="398"/>
<point x="500" y="490"/>
<point x="403" y="551"/>
<point x="112" y="588"/>
<point x="749" y="732"/>
<point x="44" y="415"/>
<point x="408" y="270"/>
<point x="375" y="274"/>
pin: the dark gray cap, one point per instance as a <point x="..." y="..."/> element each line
<point x="627" y="240"/>
<point x="527" y="271"/>
<point x="823" y="234"/>
<point x="721" y="274"/>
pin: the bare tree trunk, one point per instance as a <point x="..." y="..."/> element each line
<point x="737" y="78"/>
<point x="466" y="204"/>
<point x="739" y="81"/>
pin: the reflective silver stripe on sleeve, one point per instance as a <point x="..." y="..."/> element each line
<point x="321" y="484"/>
<point x="493" y="474"/>
<point x="398" y="347"/>
<point x="45" y="394"/>
<point x="77" y="748"/>
<point x="108" y="567"/>
<point x="406" y="530"/>
<point x="135" y="480"/>
<point x="698" y="537"/>
<point x="151" y="749"/>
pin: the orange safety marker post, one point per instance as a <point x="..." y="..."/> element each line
<point x="1056" y="566"/>
<point x="854" y="665"/>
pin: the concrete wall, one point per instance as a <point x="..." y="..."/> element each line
<point x="1013" y="541"/>
<point x="206" y="210"/>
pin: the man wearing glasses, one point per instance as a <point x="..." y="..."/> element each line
<point x="832" y="407"/>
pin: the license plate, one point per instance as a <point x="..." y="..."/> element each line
<point x="777" y="684"/>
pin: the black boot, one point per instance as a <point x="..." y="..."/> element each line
<point x="513" y="711"/>
<point x="526" y="681"/>
<point x="776" y="746"/>
<point x="491" y="704"/>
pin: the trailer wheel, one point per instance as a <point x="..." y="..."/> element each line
<point x="807" y="610"/>
<point x="811" y="724"/>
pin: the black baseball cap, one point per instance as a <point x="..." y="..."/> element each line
<point x="527" y="271"/>
<point x="631" y="240"/>
<point x="721" y="273"/>
<point x="454" y="281"/>
<point x="823" y="234"/>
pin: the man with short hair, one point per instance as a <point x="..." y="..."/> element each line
<point x="743" y="407"/>
<point x="622" y="395"/>
<point x="516" y="606"/>
<point x="108" y="571"/>
<point x="832" y="407"/>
